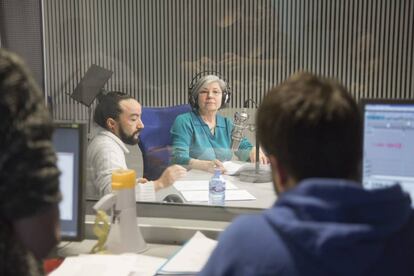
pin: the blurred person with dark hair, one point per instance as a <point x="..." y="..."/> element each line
<point x="202" y="138"/>
<point x="118" y="116"/>
<point x="29" y="177"/>
<point x="324" y="222"/>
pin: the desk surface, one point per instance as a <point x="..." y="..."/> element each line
<point x="122" y="265"/>
<point x="67" y="249"/>
<point x="264" y="192"/>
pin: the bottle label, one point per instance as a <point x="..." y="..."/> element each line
<point x="217" y="187"/>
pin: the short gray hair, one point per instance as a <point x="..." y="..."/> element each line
<point x="206" y="80"/>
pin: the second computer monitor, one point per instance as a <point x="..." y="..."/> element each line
<point x="388" y="144"/>
<point x="69" y="141"/>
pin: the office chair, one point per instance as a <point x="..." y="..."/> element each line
<point x="155" y="139"/>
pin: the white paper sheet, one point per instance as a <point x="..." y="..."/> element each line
<point x="191" y="257"/>
<point x="109" y="265"/>
<point x="231" y="195"/>
<point x="199" y="185"/>
<point x="234" y="168"/>
<point x="145" y="191"/>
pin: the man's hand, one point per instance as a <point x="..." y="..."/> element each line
<point x="169" y="176"/>
<point x="262" y="157"/>
<point x="142" y="180"/>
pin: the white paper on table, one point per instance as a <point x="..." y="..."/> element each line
<point x="108" y="265"/>
<point x="198" y="185"/>
<point x="231" y="195"/>
<point x="234" y="168"/>
<point x="145" y="191"/>
<point x="191" y="257"/>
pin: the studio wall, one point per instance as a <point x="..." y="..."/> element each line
<point x="154" y="47"/>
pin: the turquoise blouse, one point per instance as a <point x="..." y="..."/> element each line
<point x="192" y="138"/>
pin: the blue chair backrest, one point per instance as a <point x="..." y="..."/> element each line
<point x="155" y="139"/>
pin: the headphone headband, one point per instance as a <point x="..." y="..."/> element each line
<point x="193" y="99"/>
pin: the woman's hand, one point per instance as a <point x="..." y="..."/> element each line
<point x="216" y="164"/>
<point x="262" y="157"/>
<point x="207" y="165"/>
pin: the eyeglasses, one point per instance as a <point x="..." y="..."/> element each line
<point x="214" y="93"/>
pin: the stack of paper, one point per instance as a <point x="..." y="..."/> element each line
<point x="191" y="258"/>
<point x="198" y="185"/>
<point x="145" y="191"/>
<point x="231" y="195"/>
<point x="109" y="265"/>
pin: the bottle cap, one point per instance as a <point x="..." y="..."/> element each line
<point x="123" y="179"/>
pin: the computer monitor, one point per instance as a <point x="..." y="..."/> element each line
<point x="69" y="142"/>
<point x="388" y="144"/>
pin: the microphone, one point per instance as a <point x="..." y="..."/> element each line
<point x="240" y="120"/>
<point x="255" y="175"/>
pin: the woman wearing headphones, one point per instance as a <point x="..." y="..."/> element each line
<point x="202" y="137"/>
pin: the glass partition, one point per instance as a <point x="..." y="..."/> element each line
<point x="155" y="47"/>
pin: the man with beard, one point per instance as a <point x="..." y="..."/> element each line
<point x="119" y="118"/>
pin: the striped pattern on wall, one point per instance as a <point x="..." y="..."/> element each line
<point x="21" y="33"/>
<point x="154" y="47"/>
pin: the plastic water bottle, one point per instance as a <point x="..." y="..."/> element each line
<point x="217" y="189"/>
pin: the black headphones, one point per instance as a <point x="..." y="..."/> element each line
<point x="193" y="99"/>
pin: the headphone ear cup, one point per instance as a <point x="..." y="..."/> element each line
<point x="190" y="97"/>
<point x="195" y="101"/>
<point x="190" y="101"/>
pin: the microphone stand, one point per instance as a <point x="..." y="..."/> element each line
<point x="256" y="175"/>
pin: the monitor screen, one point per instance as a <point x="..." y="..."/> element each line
<point x="69" y="141"/>
<point x="388" y="145"/>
